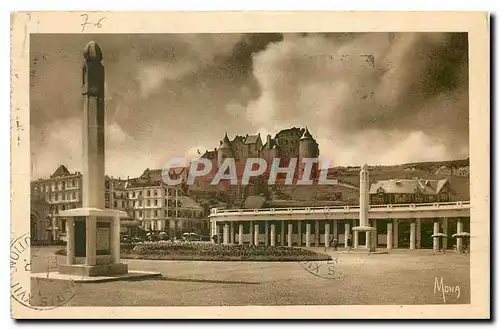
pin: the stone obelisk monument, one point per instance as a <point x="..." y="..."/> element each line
<point x="364" y="205"/>
<point x="93" y="244"/>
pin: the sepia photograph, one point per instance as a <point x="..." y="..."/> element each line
<point x="228" y="169"/>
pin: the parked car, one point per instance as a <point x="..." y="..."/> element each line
<point x="191" y="237"/>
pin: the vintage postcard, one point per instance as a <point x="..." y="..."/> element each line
<point x="327" y="165"/>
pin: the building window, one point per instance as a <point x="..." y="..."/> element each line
<point x="156" y="202"/>
<point x="140" y="214"/>
<point x="140" y="193"/>
<point x="149" y="193"/>
<point x="133" y="194"/>
<point x="115" y="204"/>
<point x="157" y="213"/>
<point x="123" y="204"/>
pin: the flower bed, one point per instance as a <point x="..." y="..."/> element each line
<point x="167" y="250"/>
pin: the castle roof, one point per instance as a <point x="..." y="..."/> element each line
<point x="61" y="171"/>
<point x="251" y="139"/>
<point x="225" y="142"/>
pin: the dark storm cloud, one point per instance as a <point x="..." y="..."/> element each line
<point x="170" y="94"/>
<point x="368" y="94"/>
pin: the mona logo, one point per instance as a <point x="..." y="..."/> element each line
<point x="440" y="287"/>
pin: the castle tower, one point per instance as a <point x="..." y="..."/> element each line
<point x="224" y="151"/>
<point x="308" y="148"/>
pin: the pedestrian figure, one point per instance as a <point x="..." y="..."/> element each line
<point x="349" y="243"/>
<point x="335" y="244"/>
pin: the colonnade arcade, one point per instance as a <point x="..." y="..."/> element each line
<point x="388" y="233"/>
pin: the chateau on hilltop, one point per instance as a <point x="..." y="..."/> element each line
<point x="293" y="143"/>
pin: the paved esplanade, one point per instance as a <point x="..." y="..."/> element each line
<point x="288" y="223"/>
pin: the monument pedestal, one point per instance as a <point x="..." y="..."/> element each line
<point x="369" y="247"/>
<point x="93" y="244"/>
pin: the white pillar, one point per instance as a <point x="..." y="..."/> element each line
<point x="364" y="196"/>
<point x="273" y="235"/>
<point x="256" y="234"/>
<point x="290" y="234"/>
<point x="90" y="252"/>
<point x="216" y="232"/>
<point x="240" y="234"/>
<point x="299" y="235"/>
<point x="396" y="233"/>
<point x="327" y="235"/>
<point x="460" y="229"/>
<point x="70" y="245"/>
<point x="445" y="231"/>
<point x="368" y="239"/>
<point x="356" y="239"/>
<point x="115" y="240"/>
<point x="266" y="233"/>
<point x="389" y="235"/>
<point x="232" y="233"/>
<point x="435" y="241"/>
<point x="251" y="233"/>
<point x="316" y="233"/>
<point x="308" y="235"/>
<point x="226" y="233"/>
<point x="419" y="234"/>
<point x="282" y="233"/>
<point x="374" y="233"/>
<point x="412" y="235"/>
<point x="347" y="229"/>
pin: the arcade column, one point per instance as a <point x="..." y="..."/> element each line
<point x="308" y="234"/>
<point x="460" y="229"/>
<point x="273" y="235"/>
<point x="266" y="233"/>
<point x="347" y="231"/>
<point x="290" y="234"/>
<point x="226" y="233"/>
<point x="240" y="234"/>
<point x="396" y="233"/>
<point x="389" y="235"/>
<point x="282" y="233"/>
<point x="435" y="240"/>
<point x="299" y="231"/>
<point x="419" y="233"/>
<point x="256" y="234"/>
<point x="412" y="235"/>
<point x="251" y="233"/>
<point x="327" y="235"/>
<point x="445" y="231"/>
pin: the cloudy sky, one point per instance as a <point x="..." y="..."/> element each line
<point x="380" y="98"/>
